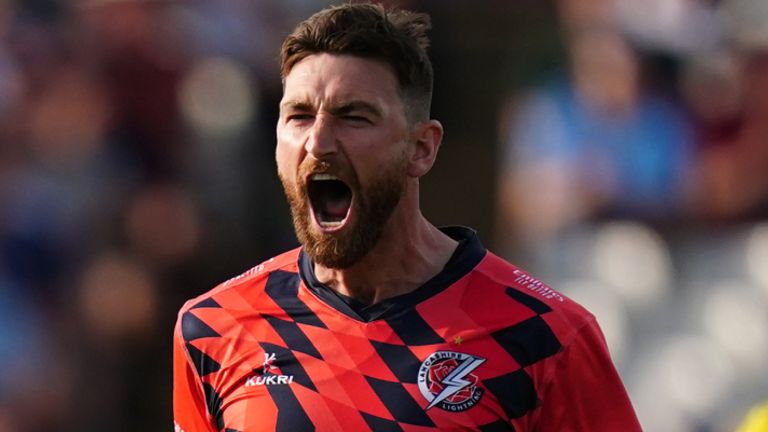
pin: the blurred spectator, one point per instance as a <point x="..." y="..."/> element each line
<point x="116" y="315"/>
<point x="31" y="398"/>
<point x="731" y="184"/>
<point x="141" y="59"/>
<point x="596" y="143"/>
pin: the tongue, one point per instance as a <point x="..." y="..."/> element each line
<point x="335" y="209"/>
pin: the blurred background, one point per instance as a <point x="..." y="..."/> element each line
<point x="617" y="149"/>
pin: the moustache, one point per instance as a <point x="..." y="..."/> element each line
<point x="310" y="167"/>
<point x="315" y="166"/>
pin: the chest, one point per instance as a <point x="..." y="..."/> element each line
<point x="331" y="375"/>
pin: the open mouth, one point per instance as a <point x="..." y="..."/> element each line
<point x="331" y="200"/>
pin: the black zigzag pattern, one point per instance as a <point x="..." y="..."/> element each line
<point x="193" y="328"/>
<point x="413" y="330"/>
<point x="529" y="341"/>
<point x="294" y="338"/>
<point x="379" y="424"/>
<point x="401" y="361"/>
<point x="203" y="363"/>
<point x="213" y="401"/>
<point x="283" y="288"/>
<point x="515" y="392"/>
<point x="399" y="402"/>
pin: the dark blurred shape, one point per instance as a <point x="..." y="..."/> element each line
<point x="29" y="400"/>
<point x="163" y="225"/>
<point x="117" y="298"/>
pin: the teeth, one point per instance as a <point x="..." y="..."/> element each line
<point x="324" y="177"/>
<point x="328" y="224"/>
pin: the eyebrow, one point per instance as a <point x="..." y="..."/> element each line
<point x="296" y="106"/>
<point x="336" y="109"/>
<point x="355" y="106"/>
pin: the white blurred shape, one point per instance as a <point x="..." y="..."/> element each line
<point x="735" y="317"/>
<point x="684" y="378"/>
<point x="607" y="308"/>
<point x="654" y="15"/>
<point x="656" y="412"/>
<point x="757" y="255"/>
<point x="678" y="25"/>
<point x="217" y="97"/>
<point x="697" y="373"/>
<point x="634" y="260"/>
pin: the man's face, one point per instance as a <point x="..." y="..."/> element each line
<point x="342" y="141"/>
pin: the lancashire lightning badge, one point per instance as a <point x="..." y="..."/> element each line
<point x="446" y="380"/>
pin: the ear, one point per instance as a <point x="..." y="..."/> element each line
<point x="427" y="137"/>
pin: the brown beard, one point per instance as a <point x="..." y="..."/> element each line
<point x="374" y="206"/>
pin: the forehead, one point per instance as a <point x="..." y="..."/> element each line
<point x="324" y="77"/>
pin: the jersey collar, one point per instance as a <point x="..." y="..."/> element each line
<point x="467" y="255"/>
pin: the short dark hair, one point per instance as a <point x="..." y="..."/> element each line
<point x="396" y="37"/>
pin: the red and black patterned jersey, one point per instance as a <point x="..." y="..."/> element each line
<point x="481" y="346"/>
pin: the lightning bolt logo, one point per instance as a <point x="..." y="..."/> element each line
<point x="454" y="381"/>
<point x="444" y="375"/>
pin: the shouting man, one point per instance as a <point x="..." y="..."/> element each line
<point x="380" y="320"/>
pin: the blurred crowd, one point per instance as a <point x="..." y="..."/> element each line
<point x="615" y="148"/>
<point x="633" y="177"/>
<point x="135" y="172"/>
<point x="659" y="115"/>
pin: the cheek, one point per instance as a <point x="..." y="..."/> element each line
<point x="288" y="151"/>
<point x="286" y="160"/>
<point x="371" y="164"/>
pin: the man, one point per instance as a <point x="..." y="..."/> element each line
<point x="381" y="321"/>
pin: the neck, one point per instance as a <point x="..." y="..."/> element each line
<point x="410" y="252"/>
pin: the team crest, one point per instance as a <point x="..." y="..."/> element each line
<point x="446" y="380"/>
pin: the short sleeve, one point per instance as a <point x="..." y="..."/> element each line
<point x="585" y="392"/>
<point x="190" y="411"/>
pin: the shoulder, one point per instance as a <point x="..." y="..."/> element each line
<point x="563" y="315"/>
<point x="251" y="282"/>
<point x="208" y="324"/>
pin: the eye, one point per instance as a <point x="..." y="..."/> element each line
<point x="299" y="120"/>
<point x="357" y="119"/>
<point x="299" y="117"/>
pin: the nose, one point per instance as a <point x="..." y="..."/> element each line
<point x="321" y="141"/>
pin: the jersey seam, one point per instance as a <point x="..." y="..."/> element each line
<point x="252" y="275"/>
<point x="192" y="367"/>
